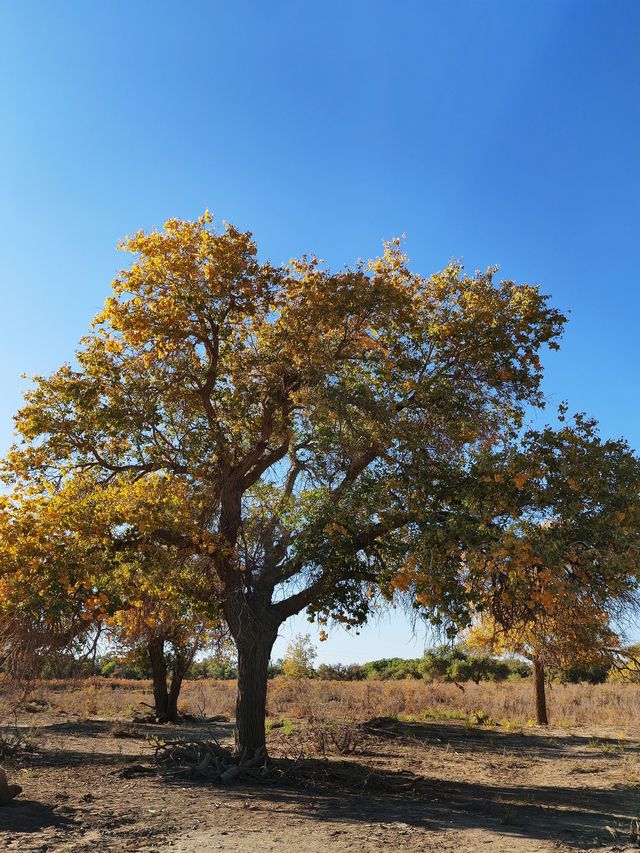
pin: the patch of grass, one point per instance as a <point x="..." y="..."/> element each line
<point x="442" y="714"/>
<point x="32" y="774"/>
<point x="613" y="747"/>
<point x="479" y="718"/>
<point x="287" y="728"/>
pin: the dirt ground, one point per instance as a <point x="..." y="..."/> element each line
<point x="441" y="786"/>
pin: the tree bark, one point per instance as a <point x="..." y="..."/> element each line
<point x="172" y="698"/>
<point x="540" y="694"/>
<point x="182" y="662"/>
<point x="155" y="648"/>
<point x="253" y="661"/>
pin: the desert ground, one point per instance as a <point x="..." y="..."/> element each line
<point x="360" y="766"/>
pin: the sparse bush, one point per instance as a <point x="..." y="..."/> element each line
<point x="335" y="738"/>
<point x="609" y="704"/>
<point x="124" y="730"/>
<point x="14" y="741"/>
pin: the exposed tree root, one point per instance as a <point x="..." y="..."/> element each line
<point x="208" y="759"/>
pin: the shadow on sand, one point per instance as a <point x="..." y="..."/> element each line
<point x="28" y="816"/>
<point x="350" y="791"/>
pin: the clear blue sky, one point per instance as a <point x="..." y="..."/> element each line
<point x="499" y="131"/>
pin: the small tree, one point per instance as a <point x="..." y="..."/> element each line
<point x="554" y="550"/>
<point x="555" y="641"/>
<point x="169" y="640"/>
<point x="69" y="575"/>
<point x="299" y="658"/>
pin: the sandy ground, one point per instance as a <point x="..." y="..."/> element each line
<point x="409" y="787"/>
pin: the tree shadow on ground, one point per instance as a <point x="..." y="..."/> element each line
<point x="29" y="816"/>
<point x="106" y="728"/>
<point x="108" y="742"/>
<point x="533" y="744"/>
<point x="350" y="792"/>
<point x="353" y="792"/>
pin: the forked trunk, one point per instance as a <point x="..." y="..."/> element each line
<point x="253" y="661"/>
<point x="159" y="675"/>
<point x="180" y="668"/>
<point x="540" y="693"/>
<point x="166" y="698"/>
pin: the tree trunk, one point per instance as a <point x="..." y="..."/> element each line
<point x="172" y="698"/>
<point x="540" y="695"/>
<point x="181" y="664"/>
<point x="253" y="660"/>
<point x="155" y="648"/>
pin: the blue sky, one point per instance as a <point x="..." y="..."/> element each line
<point x="499" y="131"/>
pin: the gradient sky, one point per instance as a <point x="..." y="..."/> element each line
<point x="498" y="132"/>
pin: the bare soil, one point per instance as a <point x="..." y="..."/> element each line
<point x="442" y="786"/>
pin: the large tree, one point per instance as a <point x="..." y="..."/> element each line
<point x="309" y="416"/>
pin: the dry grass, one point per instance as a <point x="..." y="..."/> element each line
<point x="571" y="705"/>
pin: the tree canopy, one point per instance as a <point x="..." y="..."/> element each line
<point x="553" y="560"/>
<point x="311" y="422"/>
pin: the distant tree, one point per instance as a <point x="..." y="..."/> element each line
<point x="592" y="672"/>
<point x="299" y="658"/>
<point x="553" y="644"/>
<point x="391" y="668"/>
<point x="437" y="664"/>
<point x="275" y="668"/>
<point x="221" y="666"/>
<point x="340" y="672"/>
<point x="112" y="665"/>
<point x="456" y="663"/>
